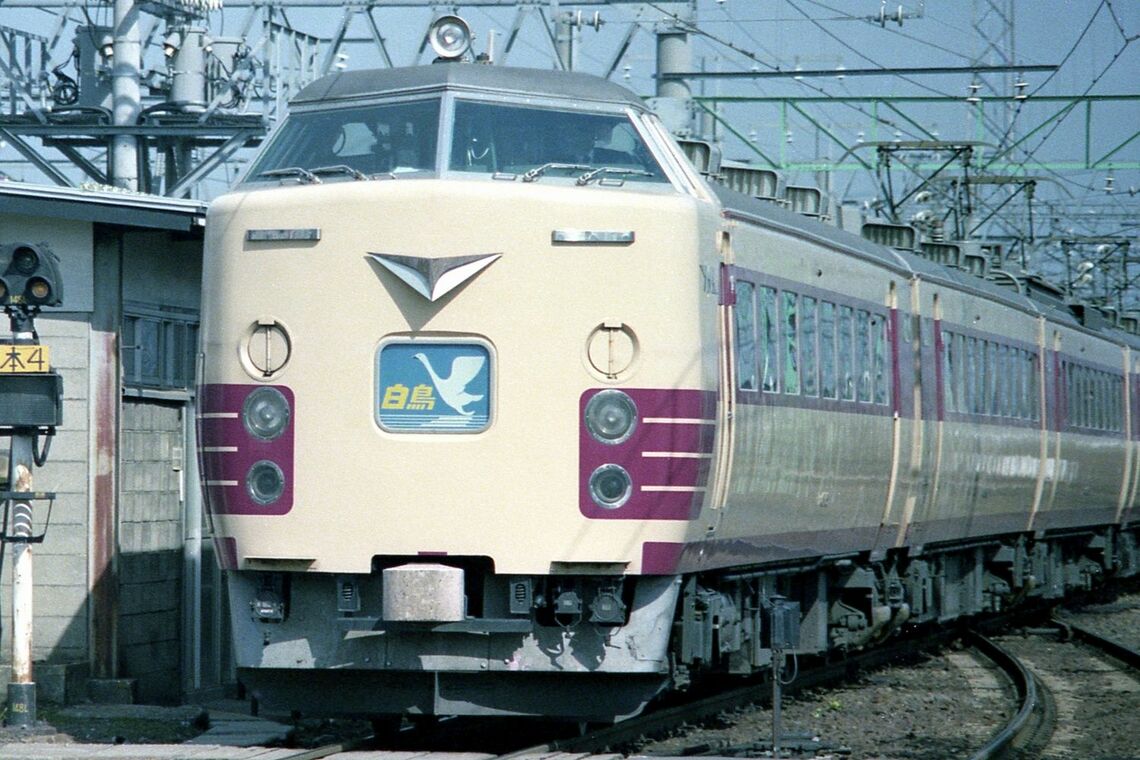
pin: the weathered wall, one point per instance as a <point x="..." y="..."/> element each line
<point x="60" y="632"/>
<point x="150" y="546"/>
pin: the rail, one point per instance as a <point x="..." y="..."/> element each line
<point x="1026" y="691"/>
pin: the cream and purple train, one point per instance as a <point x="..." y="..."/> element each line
<point x="506" y="409"/>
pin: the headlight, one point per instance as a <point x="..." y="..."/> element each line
<point x="450" y="36"/>
<point x="265" y="482"/>
<point x="610" y="486"/>
<point x="265" y="413"/>
<point x="611" y="416"/>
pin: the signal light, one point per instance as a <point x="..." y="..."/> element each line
<point x="29" y="276"/>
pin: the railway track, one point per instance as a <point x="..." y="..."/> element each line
<point x="1072" y="701"/>
<point x="1078" y="691"/>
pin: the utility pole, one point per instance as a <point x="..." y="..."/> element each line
<point x="125" y="96"/>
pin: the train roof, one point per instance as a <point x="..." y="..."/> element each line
<point x="372" y="83"/>
<point x="909" y="264"/>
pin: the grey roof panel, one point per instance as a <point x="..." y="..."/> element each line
<point x="102" y="206"/>
<point x="781" y="218"/>
<point x="355" y="85"/>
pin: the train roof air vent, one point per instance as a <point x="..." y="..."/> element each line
<point x="946" y="254"/>
<point x="764" y="184"/>
<point x="704" y="156"/>
<point x="808" y="201"/>
<point x="1006" y="279"/>
<point x="1089" y="315"/>
<point x="1130" y="322"/>
<point x="901" y="236"/>
<point x="1043" y="291"/>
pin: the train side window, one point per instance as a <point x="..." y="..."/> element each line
<point x="949" y="364"/>
<point x="1094" y="399"/>
<point x="767" y="333"/>
<point x="1111" y="417"/>
<point x="846" y="353"/>
<point x="746" y="363"/>
<point x="790" y="314"/>
<point x="983" y="379"/>
<point x="1086" y="397"/>
<point x="990" y="366"/>
<point x="1104" y="392"/>
<point x="1034" y="388"/>
<point x="808" y="352"/>
<point x="1080" y="396"/>
<point x="971" y="375"/>
<point x="863" y="353"/>
<point x="827" y="385"/>
<point x="1118" y="403"/>
<point x="879" y="347"/>
<point x="1070" y="391"/>
<point x="1001" y="377"/>
<point x="962" y="375"/>
<point x="1029" y="360"/>
<point x="1022" y="385"/>
<point x="1007" y="382"/>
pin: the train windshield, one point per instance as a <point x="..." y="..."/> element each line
<point x="494" y="139"/>
<point x="504" y="139"/>
<point x="392" y="138"/>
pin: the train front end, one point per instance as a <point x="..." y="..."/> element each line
<point x="458" y="401"/>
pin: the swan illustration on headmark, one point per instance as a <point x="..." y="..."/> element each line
<point x="453" y="388"/>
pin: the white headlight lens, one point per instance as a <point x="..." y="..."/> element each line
<point x="611" y="416"/>
<point x="265" y="413"/>
<point x="265" y="482"/>
<point x="610" y="486"/>
<point x="450" y="36"/>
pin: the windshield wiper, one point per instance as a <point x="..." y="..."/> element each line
<point x="339" y="169"/>
<point x="593" y="174"/>
<point x="293" y="171"/>
<point x="538" y="171"/>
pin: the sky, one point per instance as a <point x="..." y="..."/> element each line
<point x="1095" y="43"/>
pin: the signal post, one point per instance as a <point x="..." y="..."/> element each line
<point x="30" y="409"/>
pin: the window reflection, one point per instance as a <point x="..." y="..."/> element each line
<point x="389" y="138"/>
<point x="496" y="137"/>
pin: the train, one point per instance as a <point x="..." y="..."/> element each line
<point x="512" y="404"/>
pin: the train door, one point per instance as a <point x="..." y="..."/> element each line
<point x="910" y="379"/>
<point x="726" y="382"/>
<point x="1132" y="435"/>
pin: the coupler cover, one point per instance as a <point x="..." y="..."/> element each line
<point x="424" y="593"/>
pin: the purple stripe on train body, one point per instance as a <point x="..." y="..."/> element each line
<point x="234" y="466"/>
<point x="727" y="287"/>
<point x="682" y="478"/>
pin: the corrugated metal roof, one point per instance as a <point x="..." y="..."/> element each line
<point x="352" y="85"/>
<point x="102" y="206"/>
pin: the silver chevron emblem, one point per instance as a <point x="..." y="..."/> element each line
<point x="435" y="278"/>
